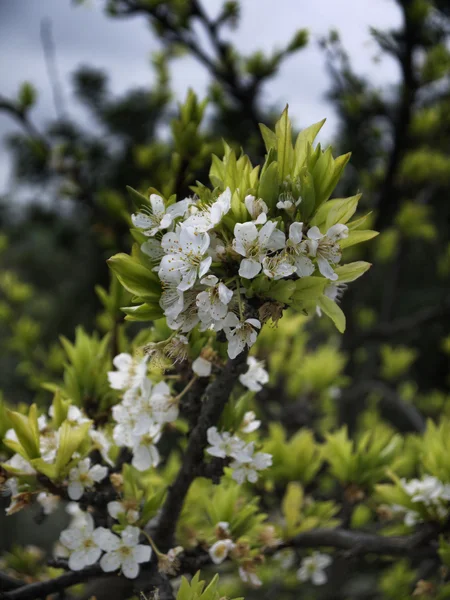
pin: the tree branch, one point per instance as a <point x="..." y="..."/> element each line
<point x="213" y="402"/>
<point x="41" y="589"/>
<point x="359" y="543"/>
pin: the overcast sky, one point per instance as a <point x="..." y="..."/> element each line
<point x="85" y="35"/>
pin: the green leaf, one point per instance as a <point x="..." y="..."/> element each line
<point x="143" y="312"/>
<point x="134" y="277"/>
<point x="70" y="439"/>
<point x="339" y="210"/>
<point x="307" y="291"/>
<point x="332" y="310"/>
<point x="291" y="507"/>
<point x="351" y="271"/>
<point x="60" y="409"/>
<point x="43" y="467"/>
<point x="26" y="430"/>
<point x="357" y="236"/>
<point x="269" y="137"/>
<point x="285" y="151"/>
<point x="305" y="137"/>
<point x="308" y="194"/>
<point x="269" y="185"/>
<point x="282" y="291"/>
<point x="139" y="200"/>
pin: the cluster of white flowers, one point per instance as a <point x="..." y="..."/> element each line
<point x="81" y="477"/>
<point x="429" y="492"/>
<point x="313" y="567"/>
<point x="246" y="463"/>
<point x="143" y="411"/>
<point x="85" y="545"/>
<point x="223" y="547"/>
<point x="187" y="239"/>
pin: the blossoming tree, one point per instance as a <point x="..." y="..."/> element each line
<point x="164" y="458"/>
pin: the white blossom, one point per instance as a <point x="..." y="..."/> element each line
<point x="82" y="544"/>
<point x="240" y="333"/>
<point x="19" y="465"/>
<point x="220" y="550"/>
<point x="49" y="502"/>
<point x="78" y="516"/>
<point x="254" y="245"/>
<point x="130" y="372"/>
<point x="125" y="552"/>
<point x="313" y="568"/>
<point x="184" y="260"/>
<point x="278" y="266"/>
<point x="213" y="303"/>
<point x="249" y="422"/>
<point x="297" y="250"/>
<point x="102" y="444"/>
<point x="145" y="452"/>
<point x="204" y="220"/>
<point x="223" y="444"/>
<point x="286" y="205"/>
<point x="158" y="217"/>
<point x="325" y="249"/>
<point x="247" y="464"/>
<point x="202" y="367"/>
<point x="83" y="477"/>
<point x="117" y="509"/>
<point x="256" y="376"/>
<point x="257" y="209"/>
<point x="249" y="576"/>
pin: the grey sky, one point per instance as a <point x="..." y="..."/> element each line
<point x="84" y="35"/>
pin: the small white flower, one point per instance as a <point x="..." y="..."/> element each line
<point x="78" y="516"/>
<point x="130" y="372"/>
<point x="247" y="464"/>
<point x="240" y="334"/>
<point x="313" y="568"/>
<point x="84" y="549"/>
<point x="223" y="444"/>
<point x="117" y="509"/>
<point x="257" y="209"/>
<point x="125" y="553"/>
<point x="250" y="577"/>
<point x="159" y="217"/>
<point x="286" y="205"/>
<point x="219" y="551"/>
<point x="49" y="502"/>
<point x="19" y="465"/>
<point x="297" y="251"/>
<point x="74" y="415"/>
<point x="256" y="376"/>
<point x="254" y="245"/>
<point x="202" y="367"/>
<point x="222" y="528"/>
<point x="163" y="404"/>
<point x="213" y="303"/>
<point x="204" y="220"/>
<point x="145" y="452"/>
<point x="325" y="248"/>
<point x="427" y="490"/>
<point x="48" y="445"/>
<point x="102" y="444"/>
<point x="83" y="477"/>
<point x="249" y="422"/>
<point x="277" y="267"/>
<point x="184" y="260"/>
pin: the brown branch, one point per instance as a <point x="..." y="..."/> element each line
<point x="360" y="543"/>
<point x="213" y="402"/>
<point x="41" y="589"/>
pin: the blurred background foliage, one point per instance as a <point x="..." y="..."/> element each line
<point x="389" y="370"/>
